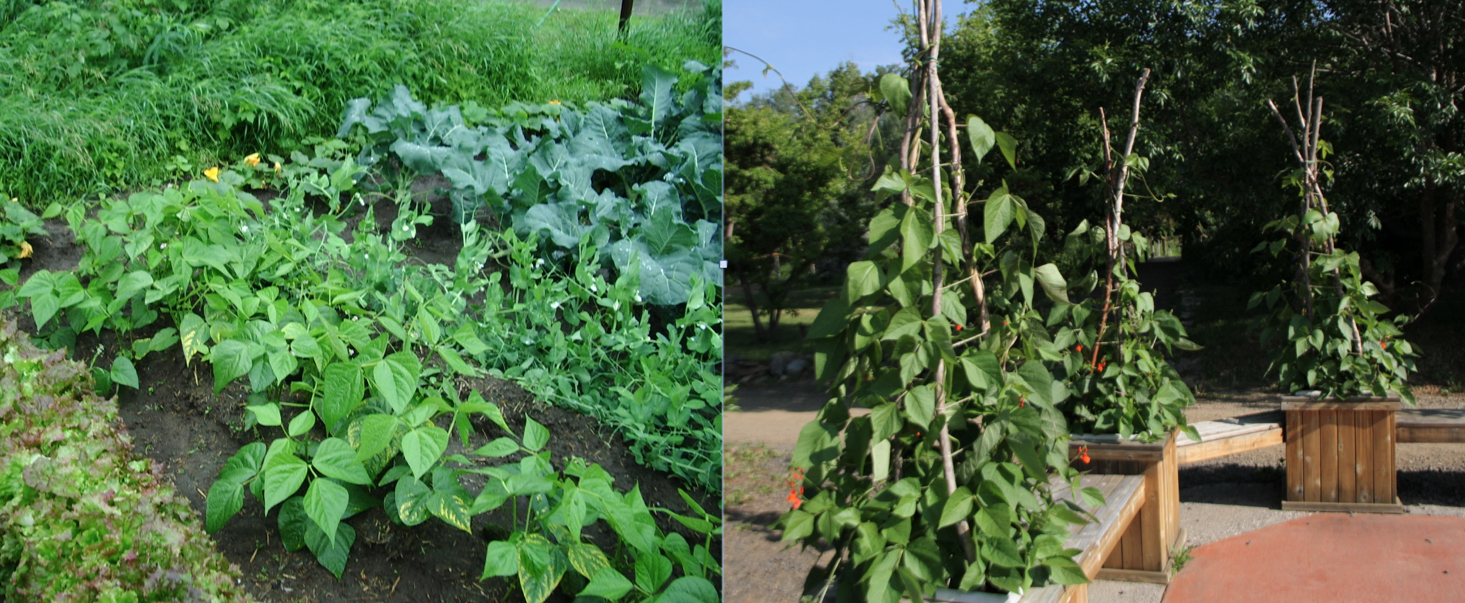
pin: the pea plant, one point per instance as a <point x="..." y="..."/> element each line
<point x="351" y="354"/>
<point x="945" y="483"/>
<point x="1325" y="331"/>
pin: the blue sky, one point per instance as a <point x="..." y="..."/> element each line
<point x="804" y="38"/>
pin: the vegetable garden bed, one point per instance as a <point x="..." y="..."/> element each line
<point x="177" y="421"/>
<point x="347" y="350"/>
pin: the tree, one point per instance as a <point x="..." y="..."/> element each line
<point x="796" y="164"/>
<point x="1392" y="70"/>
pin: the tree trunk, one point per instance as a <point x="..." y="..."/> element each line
<point x="626" y="6"/>
<point x="752" y="303"/>
<point x="1439" y="225"/>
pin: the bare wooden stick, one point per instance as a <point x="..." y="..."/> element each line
<point x="1118" y="175"/>
<point x="931" y="38"/>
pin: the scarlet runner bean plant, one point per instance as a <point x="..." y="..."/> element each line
<point x="1325" y="332"/>
<point x="945" y="483"/>
<point x="1111" y="351"/>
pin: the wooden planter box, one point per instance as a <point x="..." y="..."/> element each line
<point x="1144" y="552"/>
<point x="1340" y="455"/>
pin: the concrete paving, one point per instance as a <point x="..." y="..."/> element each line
<point x="1237" y="497"/>
<point x="1333" y="557"/>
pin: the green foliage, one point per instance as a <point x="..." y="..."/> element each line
<point x="202" y="83"/>
<point x="876" y="489"/>
<point x="352" y="353"/>
<point x="82" y="519"/>
<point x="18" y="224"/>
<point x="642" y="181"/>
<point x="1127" y="387"/>
<point x="1345" y="346"/>
<point x="793" y="203"/>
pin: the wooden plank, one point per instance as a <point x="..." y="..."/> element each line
<point x="1121" y="452"/>
<point x="1427" y="416"/>
<point x="1430" y="425"/>
<point x="1328" y="455"/>
<point x="1363" y="456"/>
<point x="1311" y="440"/>
<point x="1127" y="575"/>
<point x="1152" y="532"/>
<point x="1091" y="532"/>
<point x="1327" y="507"/>
<point x="1219" y="447"/>
<point x="1347" y="490"/>
<point x="1078" y="593"/>
<point x="1393" y="431"/>
<point x="1383" y="456"/>
<point x="1234" y="426"/>
<point x="1054" y="593"/>
<point x="1134" y="550"/>
<point x="1434" y="434"/>
<point x="1115" y="558"/>
<point x="1294" y="455"/>
<point x="1122" y="506"/>
<point x="1172" y="494"/>
<point x="1340" y="405"/>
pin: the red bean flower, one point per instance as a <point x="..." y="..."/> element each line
<point x="796" y="488"/>
<point x="1083" y="452"/>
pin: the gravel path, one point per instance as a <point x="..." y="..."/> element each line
<point x="1219" y="498"/>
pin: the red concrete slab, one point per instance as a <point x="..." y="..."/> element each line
<point x="1333" y="558"/>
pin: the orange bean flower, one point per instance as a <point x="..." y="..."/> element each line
<point x="1083" y="452"/>
<point x="796" y="488"/>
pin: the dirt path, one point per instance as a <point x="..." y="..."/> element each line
<point x="1220" y="498"/>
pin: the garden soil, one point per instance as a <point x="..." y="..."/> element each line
<point x="178" y="422"/>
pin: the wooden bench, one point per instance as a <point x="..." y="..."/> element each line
<point x="1123" y="497"/>
<point x="1224" y="437"/>
<point x="1430" y="425"/>
<point x="1145" y="549"/>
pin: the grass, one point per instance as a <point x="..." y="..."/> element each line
<point x="1181" y="558"/>
<point x="738" y="331"/>
<point x="102" y="95"/>
<point x="748" y="474"/>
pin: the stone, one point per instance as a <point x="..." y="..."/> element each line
<point x="779" y="362"/>
<point x="796" y="366"/>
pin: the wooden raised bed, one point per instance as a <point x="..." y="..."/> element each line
<point x="1145" y="551"/>
<point x="1340" y="454"/>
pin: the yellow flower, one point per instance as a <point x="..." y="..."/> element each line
<point x="277" y="168"/>
<point x="554" y="102"/>
<point x="25" y="250"/>
<point x="212" y="173"/>
<point x="252" y="160"/>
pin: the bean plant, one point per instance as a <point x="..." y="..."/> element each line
<point x="1325" y="331"/>
<point x="350" y="354"/>
<point x="945" y="483"/>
